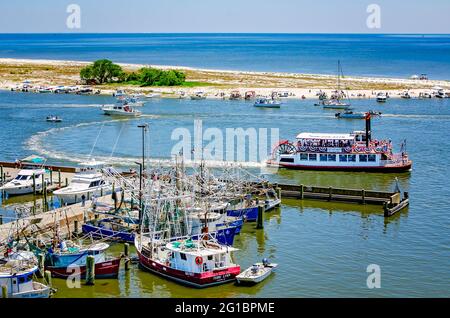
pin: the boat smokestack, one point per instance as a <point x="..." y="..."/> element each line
<point x="368" y="130"/>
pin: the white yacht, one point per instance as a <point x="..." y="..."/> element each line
<point x="88" y="181"/>
<point x="381" y="97"/>
<point x="23" y="182"/>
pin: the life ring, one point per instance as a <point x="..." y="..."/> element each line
<point x="199" y="260"/>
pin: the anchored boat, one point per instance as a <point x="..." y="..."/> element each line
<point x="267" y="103"/>
<point x="121" y="110"/>
<point x="356" y="151"/>
<point x="256" y="273"/>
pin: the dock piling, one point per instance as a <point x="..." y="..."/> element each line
<point x="41" y="259"/>
<point x="1" y="174"/>
<point x="330" y="193"/>
<point x="126" y="253"/>
<point x="51" y="176"/>
<point x="90" y="270"/>
<point x="260" y="220"/>
<point x="1" y="219"/>
<point x="4" y="291"/>
<point x="48" y="278"/>
<point x="59" y="177"/>
<point x="302" y="191"/>
<point x="363" y="196"/>
<point x="34" y="184"/>
<point x="75" y="227"/>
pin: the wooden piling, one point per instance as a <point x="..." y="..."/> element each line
<point x="90" y="270"/>
<point x="41" y="260"/>
<point x="330" y="193"/>
<point x="126" y="253"/>
<point x="260" y="220"/>
<point x="43" y="183"/>
<point x="59" y="177"/>
<point x="1" y="219"/>
<point x="51" y="176"/>
<point x="48" y="278"/>
<point x="75" y="226"/>
<point x="67" y="182"/>
<point x="302" y="191"/>
<point x="4" y="291"/>
<point x="1" y="173"/>
<point x="34" y="184"/>
<point x="363" y="196"/>
<point x="278" y="191"/>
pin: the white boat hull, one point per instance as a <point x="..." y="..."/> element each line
<point x="73" y="197"/>
<point x="39" y="291"/>
<point x="112" y="112"/>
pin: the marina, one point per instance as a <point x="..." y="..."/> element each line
<point x="117" y="203"/>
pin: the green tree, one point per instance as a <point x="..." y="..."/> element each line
<point x="102" y="71"/>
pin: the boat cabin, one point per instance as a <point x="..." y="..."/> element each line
<point x="198" y="256"/>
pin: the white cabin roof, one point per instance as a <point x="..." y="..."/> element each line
<point x="325" y="136"/>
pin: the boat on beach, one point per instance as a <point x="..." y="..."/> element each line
<point x="256" y="273"/>
<point x="382" y="97"/>
<point x="356" y="151"/>
<point x="198" y="96"/>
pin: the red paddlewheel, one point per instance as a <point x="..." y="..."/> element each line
<point x="284" y="147"/>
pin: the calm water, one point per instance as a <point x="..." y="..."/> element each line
<point x="323" y="249"/>
<point x="370" y="55"/>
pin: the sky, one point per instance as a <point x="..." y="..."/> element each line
<point x="225" y="16"/>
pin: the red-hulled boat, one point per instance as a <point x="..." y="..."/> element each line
<point x="106" y="269"/>
<point x="356" y="151"/>
<point x="196" y="263"/>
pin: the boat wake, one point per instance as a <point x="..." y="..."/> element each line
<point x="36" y="144"/>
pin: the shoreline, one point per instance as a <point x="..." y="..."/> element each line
<point x="215" y="83"/>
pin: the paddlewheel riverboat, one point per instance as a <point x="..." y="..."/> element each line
<point x="356" y="151"/>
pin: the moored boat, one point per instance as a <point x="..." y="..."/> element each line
<point x="267" y="103"/>
<point x="54" y="119"/>
<point x="121" y="110"/>
<point x="256" y="273"/>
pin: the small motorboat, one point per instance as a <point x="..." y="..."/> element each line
<point x="198" y="96"/>
<point x="352" y="115"/>
<point x="335" y="104"/>
<point x="121" y="110"/>
<point x="267" y="103"/>
<point x="381" y="97"/>
<point x="54" y="119"/>
<point x="256" y="273"/>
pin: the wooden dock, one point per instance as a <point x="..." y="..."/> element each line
<point x="392" y="202"/>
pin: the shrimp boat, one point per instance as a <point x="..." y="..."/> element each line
<point x="256" y="273"/>
<point x="16" y="273"/>
<point x="88" y="182"/>
<point x="198" y="96"/>
<point x="121" y="110"/>
<point x="30" y="177"/>
<point x="164" y="250"/>
<point x="356" y="151"/>
<point x="64" y="260"/>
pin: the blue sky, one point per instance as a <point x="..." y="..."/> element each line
<point x="291" y="16"/>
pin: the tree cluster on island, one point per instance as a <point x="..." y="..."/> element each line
<point x="105" y="71"/>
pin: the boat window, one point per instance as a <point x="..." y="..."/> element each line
<point x="183" y="256"/>
<point x="351" y="158"/>
<point x="303" y="156"/>
<point x="210" y="257"/>
<point x="20" y="177"/>
<point x="287" y="160"/>
<point x="372" y="158"/>
<point x="362" y="158"/>
<point x="331" y="157"/>
<point x="94" y="184"/>
<point x="323" y="157"/>
<point x="343" y="158"/>
<point x="313" y="157"/>
<point x="21" y="280"/>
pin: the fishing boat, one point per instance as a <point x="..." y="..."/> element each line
<point x="335" y="104"/>
<point x="335" y="101"/>
<point x="130" y="102"/>
<point x="30" y="178"/>
<point x="70" y="259"/>
<point x="119" y="93"/>
<point x="198" y="96"/>
<point x="121" y="110"/>
<point x="382" y="97"/>
<point x="112" y="228"/>
<point x="87" y="182"/>
<point x="352" y="115"/>
<point x="256" y="273"/>
<point x="196" y="263"/>
<point x="246" y="208"/>
<point x="267" y="103"/>
<point x="356" y="151"/>
<point x="54" y="119"/>
<point x="17" y="271"/>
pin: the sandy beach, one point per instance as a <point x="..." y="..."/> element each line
<point x="215" y="83"/>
